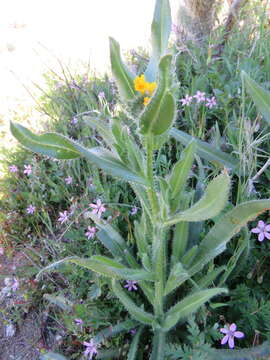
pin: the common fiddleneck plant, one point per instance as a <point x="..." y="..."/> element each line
<point x="164" y="258"/>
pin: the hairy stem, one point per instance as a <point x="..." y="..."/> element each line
<point x="158" y="351"/>
<point x="150" y="176"/>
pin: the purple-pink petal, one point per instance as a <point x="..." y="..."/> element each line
<point x="224" y="330"/>
<point x="267" y="228"/>
<point x="239" y="334"/>
<point x="256" y="230"/>
<point x="261" y="224"/>
<point x="231" y="342"/>
<point x="225" y="339"/>
<point x="261" y="236"/>
<point x="232" y="327"/>
<point x="267" y="235"/>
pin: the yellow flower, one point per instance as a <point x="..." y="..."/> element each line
<point x="140" y="84"/>
<point x="151" y="87"/>
<point x="146" y="100"/>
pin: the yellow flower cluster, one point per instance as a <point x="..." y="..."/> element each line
<point x="144" y="87"/>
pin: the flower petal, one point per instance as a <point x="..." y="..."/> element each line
<point x="239" y="334"/>
<point x="267" y="228"/>
<point x="231" y="342"/>
<point x="225" y="339"/>
<point x="261" y="236"/>
<point x="261" y="224"/>
<point x="233" y="327"/>
<point x="267" y="235"/>
<point x="224" y="330"/>
<point x="256" y="230"/>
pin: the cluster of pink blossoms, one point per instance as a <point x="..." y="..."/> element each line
<point x="27" y="169"/>
<point x="200" y="97"/>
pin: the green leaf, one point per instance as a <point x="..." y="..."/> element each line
<point x="60" y="301"/>
<point x="160" y="30"/>
<point x="111" y="268"/>
<point x="122" y="75"/>
<point x="260" y="96"/>
<point x="180" y="241"/>
<point x="159" y="114"/>
<point x="104" y="266"/>
<point x="230" y="224"/>
<point x="189" y="305"/>
<point x="60" y="147"/>
<point x="206" y="151"/>
<point x="133" y="350"/>
<point x="98" y="122"/>
<point x="49" y="144"/>
<point x="210" y="205"/>
<point x="176" y="278"/>
<point x="180" y="171"/>
<point x="114" y="330"/>
<point x="261" y="352"/>
<point x="136" y="312"/>
<point x="52" y="356"/>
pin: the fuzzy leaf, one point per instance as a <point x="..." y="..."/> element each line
<point x="210" y="205"/>
<point x="60" y="147"/>
<point x="97" y="122"/>
<point x="104" y="266"/>
<point x="189" y="305"/>
<point x="261" y="352"/>
<point x="122" y="75"/>
<point x="159" y="114"/>
<point x="136" y="312"/>
<point x="260" y="96"/>
<point x="205" y="150"/>
<point x="52" y="356"/>
<point x="160" y="29"/>
<point x="114" y="330"/>
<point x="133" y="350"/>
<point x="230" y="224"/>
<point x="176" y="278"/>
<point x="181" y="170"/>
<point x="49" y="144"/>
<point x="60" y="301"/>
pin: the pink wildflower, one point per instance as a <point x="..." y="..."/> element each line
<point x="263" y="230"/>
<point x="211" y="102"/>
<point x="31" y="209"/>
<point x="90" y="233"/>
<point x="27" y="169"/>
<point x="230" y="333"/>
<point x="2" y="251"/>
<point x="13" y="168"/>
<point x="131" y="285"/>
<point x="186" y="100"/>
<point x="98" y="208"/>
<point x="200" y="96"/>
<point x="63" y="217"/>
<point x="68" y="180"/>
<point x="91" y="349"/>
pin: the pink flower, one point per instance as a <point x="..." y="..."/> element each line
<point x="68" y="180"/>
<point x="101" y="95"/>
<point x="91" y="349"/>
<point x="90" y="233"/>
<point x="263" y="230"/>
<point x="13" y="168"/>
<point x="211" y="102"/>
<point x="31" y="209"/>
<point x="186" y="100"/>
<point x="27" y="169"/>
<point x="2" y="251"/>
<point x="63" y="217"/>
<point x="131" y="285"/>
<point x="98" y="208"/>
<point x="134" y="210"/>
<point x="230" y="333"/>
<point x="200" y="96"/>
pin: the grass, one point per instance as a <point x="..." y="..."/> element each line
<point x="234" y="126"/>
